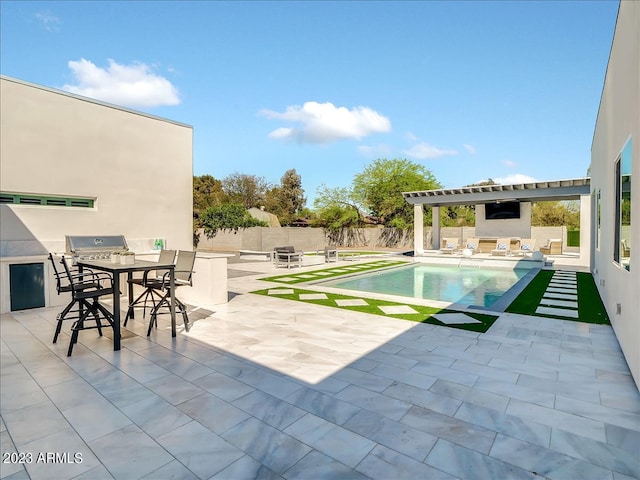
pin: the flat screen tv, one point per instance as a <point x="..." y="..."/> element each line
<point x="502" y="210"/>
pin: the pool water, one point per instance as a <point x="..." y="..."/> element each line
<point x="465" y="286"/>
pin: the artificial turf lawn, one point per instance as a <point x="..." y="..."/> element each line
<point x="423" y="316"/>
<point x="303" y="276"/>
<point x="590" y="306"/>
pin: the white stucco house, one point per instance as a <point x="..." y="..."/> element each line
<point x="615" y="186"/>
<point x="71" y="165"/>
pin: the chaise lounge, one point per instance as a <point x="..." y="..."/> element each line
<point x="503" y="247"/>
<point x="449" y="245"/>
<point x="526" y="247"/>
<point x="472" y="244"/>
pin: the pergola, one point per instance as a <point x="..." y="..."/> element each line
<point x="572" y="189"/>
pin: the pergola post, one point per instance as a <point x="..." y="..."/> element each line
<point x="435" y="228"/>
<point x="418" y="230"/>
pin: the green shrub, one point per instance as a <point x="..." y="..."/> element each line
<point x="230" y="217"/>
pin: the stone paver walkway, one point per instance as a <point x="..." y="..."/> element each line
<point x="561" y="296"/>
<point x="262" y="387"/>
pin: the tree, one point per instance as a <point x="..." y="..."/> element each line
<point x="555" y="214"/>
<point x="207" y="192"/>
<point x="337" y="208"/>
<point x="458" y="216"/>
<point x="292" y="192"/>
<point x="336" y="217"/>
<point x="246" y="190"/>
<point x="287" y="200"/>
<point x="227" y="217"/>
<point x="379" y="188"/>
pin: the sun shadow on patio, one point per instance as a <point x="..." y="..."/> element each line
<point x="263" y="384"/>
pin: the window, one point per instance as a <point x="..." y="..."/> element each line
<point x="599" y="219"/>
<point x="622" y="226"/>
<point x="28" y="199"/>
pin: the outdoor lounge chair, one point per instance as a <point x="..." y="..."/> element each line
<point x="472" y="244"/>
<point x="287" y="257"/>
<point x="503" y="247"/>
<point x="330" y="254"/>
<point x="152" y="285"/>
<point x="553" y="247"/>
<point x="526" y="247"/>
<point x="183" y="276"/>
<point x="449" y="245"/>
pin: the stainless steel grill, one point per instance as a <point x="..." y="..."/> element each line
<point x="95" y="247"/>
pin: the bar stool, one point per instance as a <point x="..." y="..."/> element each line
<point x="183" y="276"/>
<point x="152" y="286"/>
<point x="86" y="290"/>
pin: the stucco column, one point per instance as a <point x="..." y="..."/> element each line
<point x="585" y="230"/>
<point x="418" y="230"/>
<point x="435" y="229"/>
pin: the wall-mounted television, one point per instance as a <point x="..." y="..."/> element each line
<point x="501" y="210"/>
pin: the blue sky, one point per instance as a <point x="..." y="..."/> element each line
<point x="472" y="90"/>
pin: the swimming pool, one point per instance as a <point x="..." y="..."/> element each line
<point x="465" y="286"/>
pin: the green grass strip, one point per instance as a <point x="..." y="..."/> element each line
<point x="529" y="299"/>
<point x="590" y="306"/>
<point x="423" y="315"/>
<point x="300" y="276"/>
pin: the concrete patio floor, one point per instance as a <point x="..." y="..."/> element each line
<point x="268" y="388"/>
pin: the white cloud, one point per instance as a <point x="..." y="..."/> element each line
<point x="470" y="148"/>
<point x="411" y="137"/>
<point x="509" y="163"/>
<point x="132" y="85"/>
<point x="282" y="132"/>
<point x="423" y="151"/>
<point x="375" y="151"/>
<point x="49" y="21"/>
<point x="325" y="123"/>
<point x="515" y="178"/>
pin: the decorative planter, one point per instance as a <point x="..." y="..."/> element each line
<point x="115" y="258"/>
<point x="127" y="259"/>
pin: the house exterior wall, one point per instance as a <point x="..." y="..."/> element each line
<point x="618" y="122"/>
<point x="136" y="167"/>
<point x="515" y="227"/>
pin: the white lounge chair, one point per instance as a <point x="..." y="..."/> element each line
<point x="526" y="247"/>
<point x="472" y="244"/>
<point x="449" y="245"/>
<point x="503" y="247"/>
